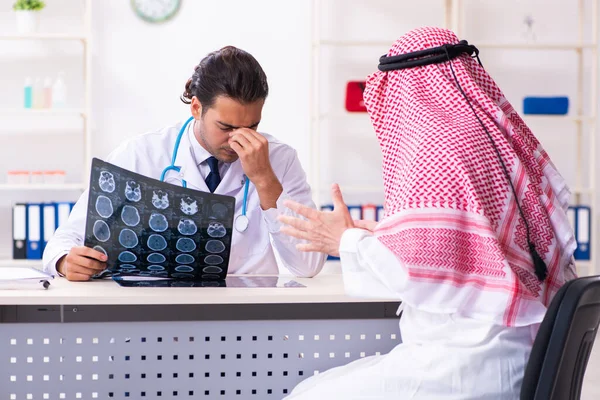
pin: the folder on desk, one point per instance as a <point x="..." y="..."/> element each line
<point x="19" y="231"/>
<point x="34" y="231"/>
<point x="23" y="278"/>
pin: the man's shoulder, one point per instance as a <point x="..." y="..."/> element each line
<point x="277" y="148"/>
<point x="160" y="138"/>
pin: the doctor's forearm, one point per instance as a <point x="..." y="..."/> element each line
<point x="269" y="190"/>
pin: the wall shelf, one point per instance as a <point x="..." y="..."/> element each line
<point x="51" y="112"/>
<point x="45" y="36"/>
<point x="42" y="187"/>
<point x="529" y="117"/>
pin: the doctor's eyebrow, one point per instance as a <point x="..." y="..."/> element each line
<point x="224" y="125"/>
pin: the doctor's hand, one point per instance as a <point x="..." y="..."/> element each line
<point x="322" y="229"/>
<point x="253" y="150"/>
<point x="81" y="263"/>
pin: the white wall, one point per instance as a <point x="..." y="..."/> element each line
<point x="139" y="71"/>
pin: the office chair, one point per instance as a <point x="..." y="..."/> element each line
<point x="564" y="342"/>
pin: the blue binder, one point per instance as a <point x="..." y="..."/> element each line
<point x="380" y="211"/>
<point x="583" y="224"/>
<point x="34" y="231"/>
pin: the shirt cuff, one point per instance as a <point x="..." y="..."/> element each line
<point x="270" y="215"/>
<point x="350" y="239"/>
<point x="51" y="266"/>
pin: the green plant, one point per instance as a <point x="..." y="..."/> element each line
<point x="29" y="5"/>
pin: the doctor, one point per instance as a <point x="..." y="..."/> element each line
<point x="217" y="150"/>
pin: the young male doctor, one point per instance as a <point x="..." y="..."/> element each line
<point x="219" y="151"/>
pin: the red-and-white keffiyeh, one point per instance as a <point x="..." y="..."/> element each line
<point x="451" y="218"/>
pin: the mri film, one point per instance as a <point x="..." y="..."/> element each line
<point x="149" y="228"/>
<point x="130" y="216"/>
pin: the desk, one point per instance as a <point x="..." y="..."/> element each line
<point x="87" y="340"/>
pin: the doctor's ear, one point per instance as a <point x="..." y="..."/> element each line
<point x="196" y="108"/>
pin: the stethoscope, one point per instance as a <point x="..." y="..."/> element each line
<point x="241" y="222"/>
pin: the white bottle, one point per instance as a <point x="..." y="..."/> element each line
<point x="38" y="93"/>
<point x="59" y="92"/>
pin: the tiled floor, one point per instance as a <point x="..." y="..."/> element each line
<point x="591" y="382"/>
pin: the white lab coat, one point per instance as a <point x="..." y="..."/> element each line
<point x="252" y="251"/>
<point x="443" y="356"/>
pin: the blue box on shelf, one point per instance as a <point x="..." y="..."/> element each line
<point x="558" y="105"/>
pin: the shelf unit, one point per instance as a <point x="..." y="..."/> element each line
<point x="85" y="38"/>
<point x="317" y="45"/>
<point x="453" y="11"/>
<point x="582" y="122"/>
<point x="57" y="112"/>
<point x="46" y="36"/>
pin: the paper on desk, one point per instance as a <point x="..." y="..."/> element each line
<point x="23" y="278"/>
<point x="17" y="274"/>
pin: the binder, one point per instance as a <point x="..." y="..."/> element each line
<point x="327" y="207"/>
<point x="355" y="212"/>
<point x="19" y="231"/>
<point x="369" y="212"/>
<point x="34" y="231"/>
<point x="380" y="211"/>
<point x="583" y="222"/>
<point x="49" y="222"/>
<point x="571" y="217"/>
<point x="63" y="210"/>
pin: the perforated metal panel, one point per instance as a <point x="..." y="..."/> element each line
<point x="180" y="360"/>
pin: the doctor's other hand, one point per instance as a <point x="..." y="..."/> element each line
<point x="322" y="229"/>
<point x="253" y="151"/>
<point x="81" y="263"/>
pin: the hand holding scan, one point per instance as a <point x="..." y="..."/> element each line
<point x="322" y="229"/>
<point x="82" y="263"/>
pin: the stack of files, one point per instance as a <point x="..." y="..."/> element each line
<point x="23" y="278"/>
<point x="34" y="225"/>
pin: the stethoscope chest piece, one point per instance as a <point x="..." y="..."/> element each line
<point x="241" y="223"/>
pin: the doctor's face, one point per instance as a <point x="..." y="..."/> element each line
<point x="225" y="115"/>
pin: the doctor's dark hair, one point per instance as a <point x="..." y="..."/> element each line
<point x="229" y="72"/>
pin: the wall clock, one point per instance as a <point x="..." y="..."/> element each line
<point x="155" y="11"/>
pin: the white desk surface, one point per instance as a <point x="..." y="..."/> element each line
<point x="325" y="288"/>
